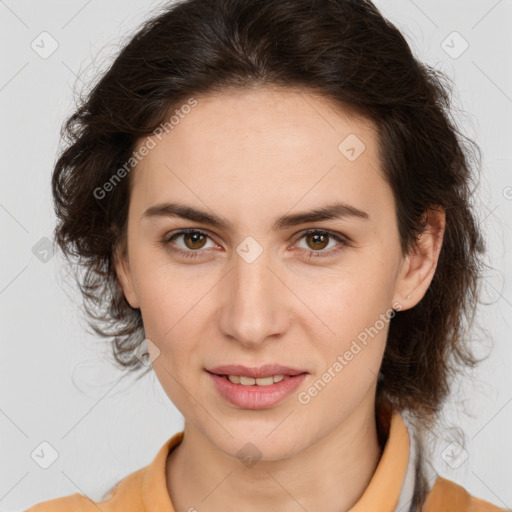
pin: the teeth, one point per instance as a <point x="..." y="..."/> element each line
<point x="250" y="381"/>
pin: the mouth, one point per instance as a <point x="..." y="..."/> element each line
<point x="248" y="392"/>
<point x="260" y="372"/>
<point x="244" y="380"/>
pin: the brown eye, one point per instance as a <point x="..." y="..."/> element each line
<point x="317" y="241"/>
<point x="194" y="240"/>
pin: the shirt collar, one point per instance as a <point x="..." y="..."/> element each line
<point x="384" y="490"/>
<point x="390" y="487"/>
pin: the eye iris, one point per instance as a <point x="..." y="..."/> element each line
<point x="317" y="238"/>
<point x="194" y="236"/>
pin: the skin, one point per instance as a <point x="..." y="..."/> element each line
<point x="251" y="156"/>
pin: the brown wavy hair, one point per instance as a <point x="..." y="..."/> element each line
<point x="344" y="50"/>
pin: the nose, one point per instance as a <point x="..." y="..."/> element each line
<point x="256" y="303"/>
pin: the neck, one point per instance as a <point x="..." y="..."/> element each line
<point x="330" y="475"/>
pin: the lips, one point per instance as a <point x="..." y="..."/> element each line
<point x="256" y="397"/>
<point x="266" y="370"/>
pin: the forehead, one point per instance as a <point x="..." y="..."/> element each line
<point x="266" y="119"/>
<point x="278" y="146"/>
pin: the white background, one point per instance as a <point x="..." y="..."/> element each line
<point x="55" y="384"/>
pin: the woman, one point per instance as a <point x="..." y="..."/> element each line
<point x="273" y="208"/>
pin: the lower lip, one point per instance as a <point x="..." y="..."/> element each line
<point x="256" y="397"/>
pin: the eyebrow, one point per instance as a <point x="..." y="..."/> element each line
<point x="336" y="210"/>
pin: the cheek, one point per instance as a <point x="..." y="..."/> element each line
<point x="351" y="317"/>
<point x="158" y="284"/>
<point x="171" y="302"/>
<point x="350" y="300"/>
<point x="351" y="351"/>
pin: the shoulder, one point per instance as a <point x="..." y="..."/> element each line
<point x="75" y="501"/>
<point x="124" y="496"/>
<point x="447" y="496"/>
<point x="142" y="489"/>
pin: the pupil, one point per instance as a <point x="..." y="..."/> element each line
<point x="195" y="238"/>
<point x="318" y="239"/>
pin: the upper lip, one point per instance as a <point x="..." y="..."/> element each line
<point x="265" y="370"/>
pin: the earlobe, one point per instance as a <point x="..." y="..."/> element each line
<point x="419" y="266"/>
<point x="124" y="277"/>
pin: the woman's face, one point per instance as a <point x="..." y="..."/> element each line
<point x="255" y="291"/>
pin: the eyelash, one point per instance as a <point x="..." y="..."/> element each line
<point x="313" y="254"/>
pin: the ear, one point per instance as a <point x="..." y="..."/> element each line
<point x="419" y="266"/>
<point x="124" y="277"/>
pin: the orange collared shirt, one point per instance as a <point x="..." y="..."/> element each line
<point x="145" y="490"/>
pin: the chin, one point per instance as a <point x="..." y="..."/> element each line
<point x="258" y="445"/>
